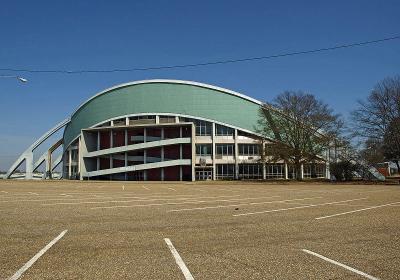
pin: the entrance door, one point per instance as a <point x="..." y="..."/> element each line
<point x="202" y="175"/>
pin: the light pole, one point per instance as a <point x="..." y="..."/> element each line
<point x="21" y="79"/>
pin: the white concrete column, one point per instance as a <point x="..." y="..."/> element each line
<point x="286" y="171"/>
<point x="98" y="140"/>
<point x="302" y="171"/>
<point x="126" y="164"/>
<point x="127" y="121"/>
<point x="29" y="165"/>
<point x="126" y="137"/>
<point x="111" y="139"/>
<point x="264" y="171"/>
<point x="157" y="119"/>
<point x="176" y="119"/>
<point x="145" y="153"/>
<point x="236" y="151"/>
<point x="213" y="151"/>
<point x="193" y="140"/>
<point x="79" y="157"/>
<point x="327" y="171"/>
<point x="180" y="173"/>
<point x="70" y="163"/>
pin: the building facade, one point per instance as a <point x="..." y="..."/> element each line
<point x="164" y="130"/>
<point x="170" y="130"/>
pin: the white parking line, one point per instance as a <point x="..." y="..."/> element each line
<point x="4" y="192"/>
<point x="354" y="211"/>
<point x="178" y="260"/>
<point x="26" y="266"/>
<point x="98" y="198"/>
<point x="134" y="200"/>
<point x="298" y="207"/>
<point x="175" y="203"/>
<point x="241" y="204"/>
<point x="341" y="265"/>
<point x="145" y="188"/>
<point x="172" y="189"/>
<point x="33" y="193"/>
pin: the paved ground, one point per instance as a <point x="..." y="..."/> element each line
<point x="226" y="230"/>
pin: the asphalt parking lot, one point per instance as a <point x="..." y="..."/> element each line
<point x="201" y="230"/>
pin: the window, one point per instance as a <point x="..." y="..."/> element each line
<point x="225" y="171"/>
<point x="313" y="171"/>
<point x="166" y="119"/>
<point x="203" y="150"/>
<point x="224" y="149"/>
<point x="223" y="130"/>
<point x="249" y="150"/>
<point x="203" y="128"/>
<point x="142" y="120"/>
<point x="250" y="171"/>
<point x="275" y="171"/>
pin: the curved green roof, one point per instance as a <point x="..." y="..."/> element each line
<point x="165" y="96"/>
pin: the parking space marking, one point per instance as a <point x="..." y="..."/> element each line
<point x="26" y="266"/>
<point x="134" y="200"/>
<point x="174" y="203"/>
<point x="298" y="207"/>
<point x="358" y="210"/>
<point x="178" y="260"/>
<point x="4" y="192"/>
<point x="98" y="198"/>
<point x="172" y="189"/>
<point x="341" y="265"/>
<point x="145" y="188"/>
<point x="241" y="204"/>
<point x="33" y="193"/>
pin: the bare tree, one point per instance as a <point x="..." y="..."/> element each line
<point x="391" y="142"/>
<point x="302" y="126"/>
<point x="376" y="121"/>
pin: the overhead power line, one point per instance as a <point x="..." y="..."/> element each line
<point x="82" y="71"/>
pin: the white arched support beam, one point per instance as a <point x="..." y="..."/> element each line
<point x="27" y="155"/>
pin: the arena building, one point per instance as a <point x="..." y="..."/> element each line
<point x="164" y="130"/>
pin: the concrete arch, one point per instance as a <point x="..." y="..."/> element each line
<point x="27" y="155"/>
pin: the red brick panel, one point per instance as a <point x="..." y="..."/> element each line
<point x="187" y="151"/>
<point x="118" y="163"/>
<point x="104" y="140"/>
<point x="171" y="132"/>
<point x="154" y="174"/>
<point x="154" y="152"/>
<point x="171" y="173"/>
<point x="118" y="138"/>
<point x="135" y="132"/>
<point x="171" y="152"/>
<point x="186" y="173"/>
<point x="187" y="131"/>
<point x="153" y="132"/>
<point x="104" y="163"/>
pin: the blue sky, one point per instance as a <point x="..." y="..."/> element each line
<point x="122" y="34"/>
